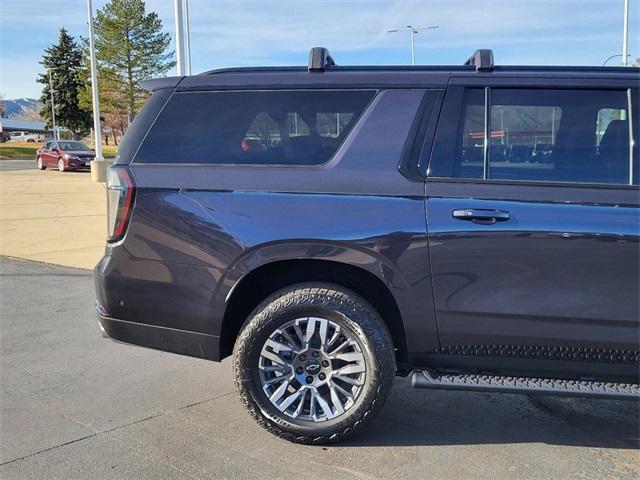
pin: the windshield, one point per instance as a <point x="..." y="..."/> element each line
<point x="73" y="147"/>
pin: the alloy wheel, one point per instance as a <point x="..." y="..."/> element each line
<point x="311" y="369"/>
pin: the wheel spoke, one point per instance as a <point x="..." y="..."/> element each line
<point x="289" y="338"/>
<point x="349" y="357"/>
<point x="299" y="334"/>
<point x="349" y="380"/>
<point x="311" y="329"/>
<point x="337" y="387"/>
<point x="324" y="406"/>
<point x="323" y="331"/>
<point x="272" y="356"/>
<point x="279" y="392"/>
<point x="334" y="337"/>
<point x="300" y="406"/>
<point x="275" y="368"/>
<point x="289" y="400"/>
<point x="312" y="405"/>
<point x="277" y="346"/>
<point x="352" y="368"/>
<point x="335" y="399"/>
<point x="339" y="348"/>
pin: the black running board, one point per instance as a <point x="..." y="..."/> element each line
<point x="546" y="386"/>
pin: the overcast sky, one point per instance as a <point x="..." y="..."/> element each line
<point x="259" y="32"/>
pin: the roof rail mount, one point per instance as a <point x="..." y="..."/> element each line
<point x="482" y="59"/>
<point x="320" y="59"/>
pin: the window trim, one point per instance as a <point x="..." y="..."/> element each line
<point x="631" y="142"/>
<point x="376" y="93"/>
<point x="457" y="107"/>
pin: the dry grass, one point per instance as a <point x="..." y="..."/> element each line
<point x="28" y="150"/>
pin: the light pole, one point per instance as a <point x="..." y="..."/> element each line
<point x="625" y="34"/>
<point x="98" y="168"/>
<point x="412" y="32"/>
<point x="187" y="37"/>
<point x="179" y="22"/>
<point x="53" y="107"/>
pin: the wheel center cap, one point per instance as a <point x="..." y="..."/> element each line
<point x="312" y="367"/>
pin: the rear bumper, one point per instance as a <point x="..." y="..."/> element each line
<point x="193" y="344"/>
<point x="154" y="305"/>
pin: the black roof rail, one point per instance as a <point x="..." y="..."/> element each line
<point x="482" y="59"/>
<point x="320" y="59"/>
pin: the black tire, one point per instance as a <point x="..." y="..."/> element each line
<point x="341" y="307"/>
<point x="40" y="164"/>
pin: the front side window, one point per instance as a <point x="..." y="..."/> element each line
<point x="258" y="127"/>
<point x="549" y="135"/>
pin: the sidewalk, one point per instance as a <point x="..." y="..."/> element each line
<point x="52" y="217"/>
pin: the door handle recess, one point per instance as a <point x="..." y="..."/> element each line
<point x="481" y="215"/>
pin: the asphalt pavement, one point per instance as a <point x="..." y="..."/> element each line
<point x="76" y="406"/>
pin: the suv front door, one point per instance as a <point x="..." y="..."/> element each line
<point x="534" y="226"/>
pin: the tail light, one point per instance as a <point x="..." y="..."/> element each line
<point x="120" y="195"/>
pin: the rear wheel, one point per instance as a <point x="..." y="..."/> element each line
<point x="61" y="166"/>
<point x="40" y="164"/>
<point x="313" y="363"/>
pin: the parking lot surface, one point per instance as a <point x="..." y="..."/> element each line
<point x="18" y="164"/>
<point x="50" y="216"/>
<point x="74" y="405"/>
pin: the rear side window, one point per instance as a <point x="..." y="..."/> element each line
<point x="554" y="135"/>
<point x="258" y="127"/>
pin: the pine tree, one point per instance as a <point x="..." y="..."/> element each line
<point x="65" y="61"/>
<point x="130" y="47"/>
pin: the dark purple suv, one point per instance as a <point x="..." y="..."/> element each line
<point x="332" y="227"/>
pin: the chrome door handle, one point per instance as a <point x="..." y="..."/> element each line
<point x="481" y="215"/>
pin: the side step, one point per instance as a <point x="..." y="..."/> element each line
<point x="546" y="386"/>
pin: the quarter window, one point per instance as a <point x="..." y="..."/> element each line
<point x="552" y="135"/>
<point x="259" y="127"/>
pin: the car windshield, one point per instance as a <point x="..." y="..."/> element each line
<point x="73" y="147"/>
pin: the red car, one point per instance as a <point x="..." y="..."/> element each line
<point x="65" y="155"/>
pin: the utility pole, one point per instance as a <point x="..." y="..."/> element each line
<point x="625" y="35"/>
<point x="179" y="22"/>
<point x="412" y="32"/>
<point x="56" y="136"/>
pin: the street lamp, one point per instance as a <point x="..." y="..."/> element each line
<point x="412" y="32"/>
<point x="614" y="56"/>
<point x="625" y="33"/>
<point x="183" y="43"/>
<point x="187" y="37"/>
<point x="56" y="136"/>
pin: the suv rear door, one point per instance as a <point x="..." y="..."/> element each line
<point x="533" y="220"/>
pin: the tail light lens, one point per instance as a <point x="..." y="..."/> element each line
<point x="120" y="195"/>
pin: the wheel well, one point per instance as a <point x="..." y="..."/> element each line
<point x="269" y="278"/>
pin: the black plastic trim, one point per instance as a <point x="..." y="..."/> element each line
<point x="526" y="385"/>
<point x="408" y="165"/>
<point x="192" y="344"/>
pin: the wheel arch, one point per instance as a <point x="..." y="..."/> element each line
<point x="268" y="278"/>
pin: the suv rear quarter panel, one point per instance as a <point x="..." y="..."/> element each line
<point x="197" y="230"/>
